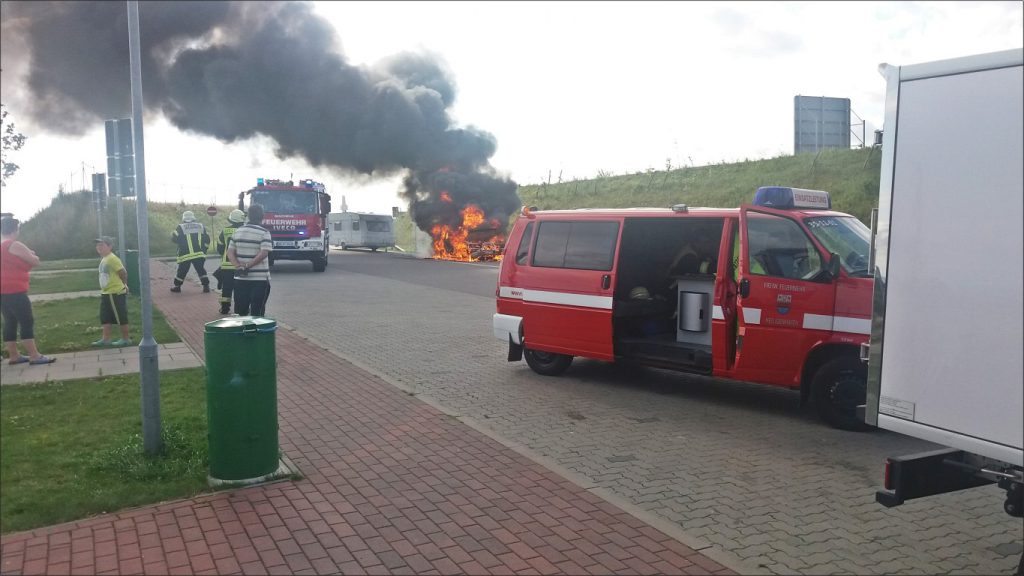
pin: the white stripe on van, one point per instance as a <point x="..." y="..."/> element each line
<point x="509" y="292"/>
<point x="569" y="299"/>
<point x="837" y="323"/>
<point x="751" y="315"/>
<point x="547" y="297"/>
<point x="817" y="322"/>
<point x="852" y="325"/>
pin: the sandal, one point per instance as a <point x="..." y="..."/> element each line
<point x="18" y="360"/>
<point x="42" y="360"/>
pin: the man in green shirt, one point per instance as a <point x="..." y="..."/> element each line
<point x="113" y="294"/>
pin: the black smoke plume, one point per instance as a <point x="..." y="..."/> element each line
<point x="234" y="70"/>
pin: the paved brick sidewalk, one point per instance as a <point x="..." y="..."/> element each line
<point x="391" y="485"/>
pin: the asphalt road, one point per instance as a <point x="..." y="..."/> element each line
<point x="742" y="467"/>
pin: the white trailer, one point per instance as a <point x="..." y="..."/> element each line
<point x="358" y="230"/>
<point x="945" y="355"/>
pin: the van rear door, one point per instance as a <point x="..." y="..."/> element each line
<point x="568" y="287"/>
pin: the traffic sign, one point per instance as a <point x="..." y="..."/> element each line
<point x="212" y="210"/>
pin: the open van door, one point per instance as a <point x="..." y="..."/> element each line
<point x="786" y="297"/>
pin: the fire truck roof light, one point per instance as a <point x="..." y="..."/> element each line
<point x="259" y="181"/>
<point x="680" y="208"/>
<point x="785" y="197"/>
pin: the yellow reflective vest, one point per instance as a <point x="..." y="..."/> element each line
<point x="222" y="246"/>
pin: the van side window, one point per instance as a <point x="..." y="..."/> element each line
<point x="578" y="245"/>
<point x="779" y="247"/>
<point x="524" y="244"/>
<point x="355" y="224"/>
<point x="337" y="226"/>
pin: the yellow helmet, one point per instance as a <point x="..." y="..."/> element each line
<point x="639" y="293"/>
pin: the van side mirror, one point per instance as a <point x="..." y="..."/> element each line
<point x="833" y="264"/>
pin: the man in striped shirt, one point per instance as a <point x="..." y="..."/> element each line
<point x="248" y="250"/>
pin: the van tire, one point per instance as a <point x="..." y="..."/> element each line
<point x="547" y="363"/>
<point x="839" y="386"/>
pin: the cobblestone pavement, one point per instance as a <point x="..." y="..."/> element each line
<point x="741" y="466"/>
<point x="391" y="485"/>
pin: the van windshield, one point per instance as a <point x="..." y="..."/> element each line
<point x="847" y="237"/>
<point x="286" y="202"/>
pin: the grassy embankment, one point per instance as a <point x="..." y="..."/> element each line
<point x="850" y="176"/>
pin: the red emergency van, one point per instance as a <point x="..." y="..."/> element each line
<point x="777" y="292"/>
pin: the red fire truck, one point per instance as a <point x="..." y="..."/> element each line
<point x="296" y="215"/>
<point x="777" y="292"/>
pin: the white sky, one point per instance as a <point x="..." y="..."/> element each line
<point x="573" y="87"/>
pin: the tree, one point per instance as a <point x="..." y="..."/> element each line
<point x="12" y="141"/>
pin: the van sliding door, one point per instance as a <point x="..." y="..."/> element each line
<point x="568" y="288"/>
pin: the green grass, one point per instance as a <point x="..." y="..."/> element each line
<point x="68" y="282"/>
<point x="72" y="325"/>
<point x="73" y="449"/>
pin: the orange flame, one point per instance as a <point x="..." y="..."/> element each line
<point x="454" y="244"/>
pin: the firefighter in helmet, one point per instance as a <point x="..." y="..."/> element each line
<point x="226" y="273"/>
<point x="192" y="241"/>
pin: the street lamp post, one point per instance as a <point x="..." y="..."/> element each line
<point x="149" y="367"/>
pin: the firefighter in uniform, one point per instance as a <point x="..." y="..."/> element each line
<point x="226" y="273"/>
<point x="192" y="241"/>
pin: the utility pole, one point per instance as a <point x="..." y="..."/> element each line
<point x="149" y="366"/>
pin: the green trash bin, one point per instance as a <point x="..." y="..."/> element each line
<point x="131" y="266"/>
<point x="241" y="398"/>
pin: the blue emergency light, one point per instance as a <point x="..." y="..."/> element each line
<point x="786" y="197"/>
<point x="259" y="181"/>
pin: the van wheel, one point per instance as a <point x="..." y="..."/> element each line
<point x="547" y="363"/>
<point x="839" y="386"/>
<point x="344" y="246"/>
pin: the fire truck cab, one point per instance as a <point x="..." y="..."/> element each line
<point x="296" y="216"/>
<point x="777" y="292"/>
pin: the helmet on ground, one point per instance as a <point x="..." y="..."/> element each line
<point x="236" y="216"/>
<point x="639" y="293"/>
<point x="188" y="216"/>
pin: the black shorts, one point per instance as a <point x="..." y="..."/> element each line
<point x="114" y="309"/>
